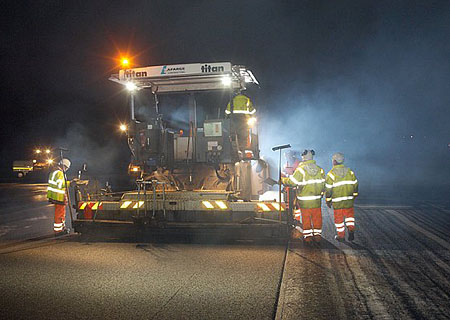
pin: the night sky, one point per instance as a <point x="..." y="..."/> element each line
<point x="368" y="78"/>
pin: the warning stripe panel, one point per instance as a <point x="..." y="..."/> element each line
<point x="215" y="205"/>
<point x="131" y="204"/>
<point x="205" y="204"/>
<point x="270" y="206"/>
<point x="91" y="205"/>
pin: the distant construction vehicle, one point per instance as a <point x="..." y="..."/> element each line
<point x="194" y="170"/>
<point x="42" y="160"/>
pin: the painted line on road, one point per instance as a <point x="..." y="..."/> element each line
<point x="418" y="228"/>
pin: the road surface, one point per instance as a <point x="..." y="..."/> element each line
<point x="72" y="278"/>
<point x="397" y="268"/>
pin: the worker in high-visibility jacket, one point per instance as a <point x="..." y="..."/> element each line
<point x="341" y="191"/>
<point x="241" y="111"/>
<point x="240" y="104"/>
<point x="57" y="194"/>
<point x="309" y="179"/>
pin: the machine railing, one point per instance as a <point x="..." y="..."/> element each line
<point x="142" y="185"/>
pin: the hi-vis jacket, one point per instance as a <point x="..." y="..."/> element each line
<point x="341" y="187"/>
<point x="309" y="179"/>
<point x="241" y="104"/>
<point x="56" y="189"/>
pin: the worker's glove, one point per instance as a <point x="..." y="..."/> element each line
<point x="329" y="204"/>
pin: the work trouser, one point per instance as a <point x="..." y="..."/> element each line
<point x="297" y="232"/>
<point x="342" y="218"/>
<point x="312" y="224"/>
<point x="60" y="217"/>
<point x="243" y="131"/>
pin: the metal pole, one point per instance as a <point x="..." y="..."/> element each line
<point x="279" y="187"/>
<point x="284" y="146"/>
<point x="65" y="184"/>
<point x="164" y="199"/>
<point x="193" y="120"/>
<point x="154" y="182"/>
<point x="138" y="197"/>
<point x="145" y="199"/>
<point x="132" y="106"/>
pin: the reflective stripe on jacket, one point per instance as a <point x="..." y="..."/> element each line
<point x="309" y="179"/>
<point x="56" y="189"/>
<point x="341" y="187"/>
<point x="241" y="104"/>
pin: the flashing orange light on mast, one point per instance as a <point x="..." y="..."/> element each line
<point x="125" y="62"/>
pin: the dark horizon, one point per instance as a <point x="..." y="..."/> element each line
<point x="371" y="80"/>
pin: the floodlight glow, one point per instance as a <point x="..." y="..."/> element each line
<point x="226" y="81"/>
<point x="47" y="151"/>
<point x="125" y="62"/>
<point x="50" y="161"/>
<point x="251" y="121"/>
<point x="38" y="151"/>
<point x="123" y="127"/>
<point x="130" y="86"/>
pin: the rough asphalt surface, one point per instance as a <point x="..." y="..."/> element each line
<point x="70" y="278"/>
<point x="67" y="279"/>
<point x="398" y="267"/>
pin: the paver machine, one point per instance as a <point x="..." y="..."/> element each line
<point x="192" y="168"/>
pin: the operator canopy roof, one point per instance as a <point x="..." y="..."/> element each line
<point x="186" y="77"/>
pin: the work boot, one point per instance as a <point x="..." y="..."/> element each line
<point x="351" y="235"/>
<point x="339" y="239"/>
<point x="62" y="233"/>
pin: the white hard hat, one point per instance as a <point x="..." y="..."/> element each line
<point x="338" y="157"/>
<point x="65" y="162"/>
<point x="308" y="155"/>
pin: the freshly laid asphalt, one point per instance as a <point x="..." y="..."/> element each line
<point x="397" y="267"/>
<point x="75" y="277"/>
<point x="66" y="278"/>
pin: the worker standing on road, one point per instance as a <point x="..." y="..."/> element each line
<point x="341" y="191"/>
<point x="57" y="194"/>
<point x="241" y="110"/>
<point x="309" y="179"/>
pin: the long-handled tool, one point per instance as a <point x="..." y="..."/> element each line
<point x="284" y="146"/>
<point x="65" y="183"/>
